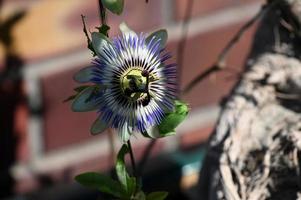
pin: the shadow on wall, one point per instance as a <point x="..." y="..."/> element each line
<point x="11" y="96"/>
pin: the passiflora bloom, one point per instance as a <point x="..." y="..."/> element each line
<point x="133" y="87"/>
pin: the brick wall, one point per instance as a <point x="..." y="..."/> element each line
<point x="50" y="40"/>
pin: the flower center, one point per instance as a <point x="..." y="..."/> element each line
<point x="134" y="84"/>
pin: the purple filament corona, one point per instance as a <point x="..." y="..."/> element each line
<point x="120" y="63"/>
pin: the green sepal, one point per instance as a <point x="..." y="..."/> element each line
<point x="124" y="133"/>
<point x="146" y="134"/>
<point x="83" y="75"/>
<point x="84" y="101"/>
<point x="81" y="88"/>
<point x="157" y="195"/>
<point x="98" y="126"/>
<point x="154" y="133"/>
<point x="173" y="119"/>
<point x="129" y="183"/>
<point x="123" y="27"/>
<point x="170" y="133"/>
<point x="115" y="6"/>
<point x="158" y="35"/>
<point x="104" y="29"/>
<point x="99" y="40"/>
<point x="90" y="47"/>
<point x="101" y="182"/>
<point x="77" y="90"/>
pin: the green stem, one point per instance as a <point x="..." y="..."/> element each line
<point x="102" y="11"/>
<point x="132" y="158"/>
<point x="146" y="154"/>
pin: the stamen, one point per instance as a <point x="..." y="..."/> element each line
<point x="134" y="85"/>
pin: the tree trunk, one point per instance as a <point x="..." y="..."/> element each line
<point x="254" y="152"/>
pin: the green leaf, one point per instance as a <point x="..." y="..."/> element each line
<point x="100" y="182"/>
<point x="129" y="183"/>
<point x="120" y="166"/>
<point x="98" y="126"/>
<point x="115" y="6"/>
<point x="158" y="35"/>
<point x="83" y="75"/>
<point x="157" y="196"/>
<point x="104" y="29"/>
<point x="140" y="196"/>
<point x="173" y="119"/>
<point x="99" y="40"/>
<point x="84" y="101"/>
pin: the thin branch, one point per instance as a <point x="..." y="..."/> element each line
<point x="221" y="59"/>
<point x="183" y="41"/>
<point x="132" y="158"/>
<point x="85" y="28"/>
<point x="146" y="155"/>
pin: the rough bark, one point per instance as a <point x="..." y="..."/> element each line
<point x="255" y="150"/>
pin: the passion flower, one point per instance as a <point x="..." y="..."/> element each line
<point x="133" y="87"/>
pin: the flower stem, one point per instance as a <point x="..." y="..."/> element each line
<point x="102" y="11"/>
<point x="132" y="158"/>
<point x="146" y="154"/>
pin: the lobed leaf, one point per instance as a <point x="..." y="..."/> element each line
<point x="100" y="182"/>
<point x="157" y="195"/>
<point x="129" y="183"/>
<point x="140" y="196"/>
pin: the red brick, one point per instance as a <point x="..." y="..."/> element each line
<point x="62" y="127"/>
<point x="104" y="163"/>
<point x="203" y="7"/>
<point x="21" y="121"/>
<point x="137" y="14"/>
<point x="52" y="28"/>
<point x="196" y="137"/>
<point x="201" y="52"/>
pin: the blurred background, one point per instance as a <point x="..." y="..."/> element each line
<point x="43" y="144"/>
